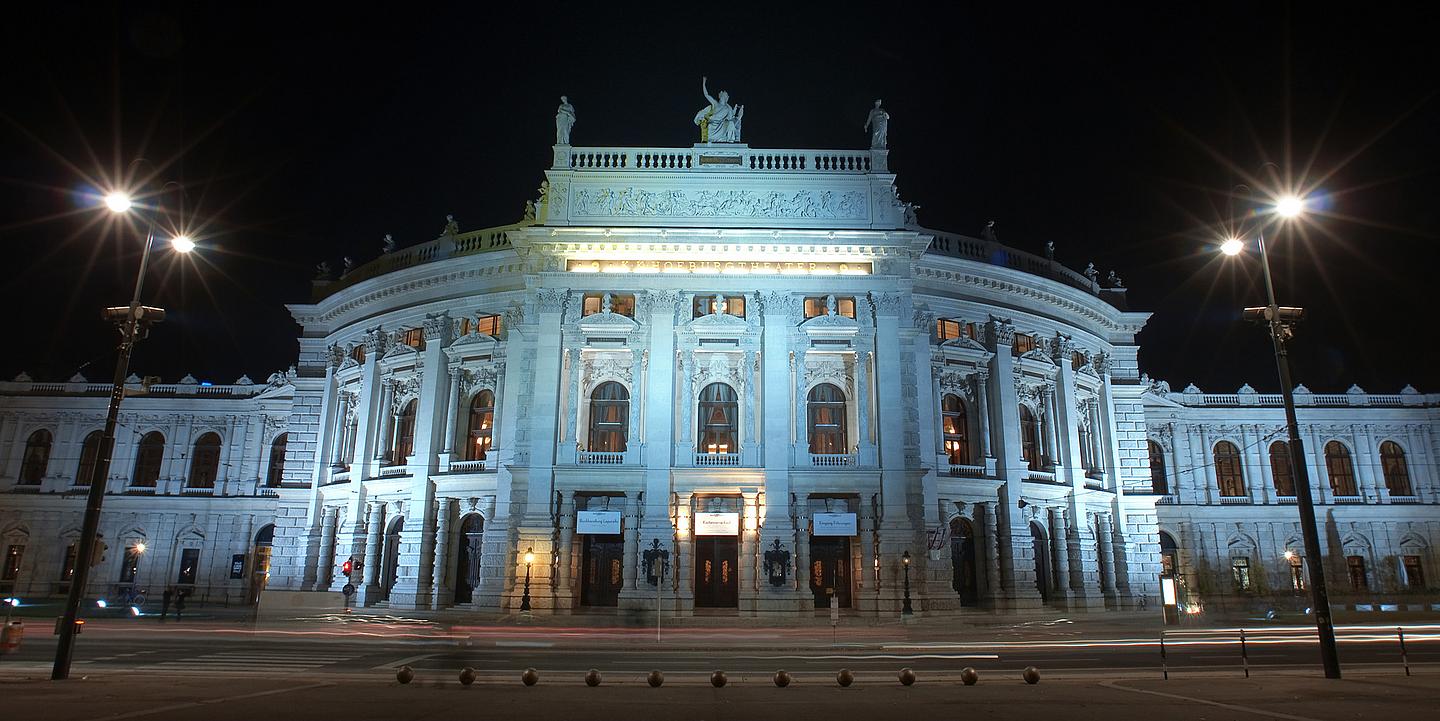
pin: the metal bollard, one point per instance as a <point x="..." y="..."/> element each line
<point x="907" y="677"/>
<point x="592" y="677"/>
<point x="655" y="679"/>
<point x="1164" y="662"/>
<point x="1244" y="654"/>
<point x="10" y="636"/>
<point x="405" y="674"/>
<point x="467" y="676"/>
<point x="844" y="678"/>
<point x="530" y="677"/>
<point x="969" y="676"/>
<point x="782" y="678"/>
<point x="1404" y="657"/>
<point x="1031" y="675"/>
<point x="718" y="679"/>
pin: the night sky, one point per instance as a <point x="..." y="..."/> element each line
<point x="302" y="135"/>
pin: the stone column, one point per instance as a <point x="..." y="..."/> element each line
<point x="1107" y="554"/>
<point x="322" y="573"/>
<point x="778" y="383"/>
<point x="684" y="552"/>
<point x="385" y="423"/>
<point x="865" y="575"/>
<point x="897" y="528"/>
<point x="564" y="597"/>
<point x="631" y="530"/>
<point x="1016" y="552"/>
<point x="862" y="396"/>
<point x="442" y="586"/>
<point x="746" y="575"/>
<point x="536" y="530"/>
<point x="374" y="534"/>
<point x="991" y="541"/>
<point x="1060" y="538"/>
<point x="452" y="399"/>
<point x="982" y="403"/>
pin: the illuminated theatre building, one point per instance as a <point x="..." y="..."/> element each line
<point x="724" y="378"/>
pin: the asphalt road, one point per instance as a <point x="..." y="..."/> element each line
<point x="499" y="654"/>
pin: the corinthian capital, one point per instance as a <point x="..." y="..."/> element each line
<point x="550" y="300"/>
<point x="437" y="326"/>
<point x="886" y="303"/>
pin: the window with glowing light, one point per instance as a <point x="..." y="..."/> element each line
<point x="1297" y="571"/>
<point x="1229" y="475"/>
<point x="1397" y="472"/>
<point x="826" y="408"/>
<point x="488" y="325"/>
<point x="14" y="553"/>
<point x="1024" y="343"/>
<point x="130" y="567"/>
<point x="619" y="304"/>
<point x="609" y="418"/>
<point x="482" y="426"/>
<point x="947" y="329"/>
<point x="37" y="458"/>
<point x="955" y="428"/>
<point x="719" y="420"/>
<point x="705" y="305"/>
<point x="414" y="337"/>
<point x="819" y="305"/>
<point x="404" y="443"/>
<point x="1240" y="574"/>
<point x="1340" y="469"/>
<point x="358" y="353"/>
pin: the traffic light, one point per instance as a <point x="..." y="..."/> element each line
<point x="347" y="566"/>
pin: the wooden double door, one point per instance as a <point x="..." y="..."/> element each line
<point x="603" y="572"/>
<point x="830" y="570"/>
<point x="717" y="583"/>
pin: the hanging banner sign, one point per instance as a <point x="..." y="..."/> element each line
<point x="600" y="523"/>
<point x="717" y="524"/>
<point x="833" y="524"/>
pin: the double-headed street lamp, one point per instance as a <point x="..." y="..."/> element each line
<point x="133" y="322"/>
<point x="1281" y="321"/>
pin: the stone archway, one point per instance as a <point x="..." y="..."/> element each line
<point x="467" y="557"/>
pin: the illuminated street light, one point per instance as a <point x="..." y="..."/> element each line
<point x="182" y="244"/>
<point x="1290" y="206"/>
<point x="525" y="598"/>
<point x="1233" y="246"/>
<point x="140" y="548"/>
<point x="118" y="202"/>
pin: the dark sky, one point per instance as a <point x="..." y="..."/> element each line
<point x="303" y="134"/>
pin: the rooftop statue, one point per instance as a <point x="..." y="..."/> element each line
<point x="719" y="121"/>
<point x="879" y="126"/>
<point x="389" y="245"/>
<point x="564" y="121"/>
<point x="452" y="228"/>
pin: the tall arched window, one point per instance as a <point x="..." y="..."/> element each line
<point x="1341" y="470"/>
<point x="1087" y="446"/>
<point x="1397" y="473"/>
<point x="1228" y="474"/>
<point x="826" y="406"/>
<point x="89" y="456"/>
<point x="482" y="426"/>
<point x="276" y="471"/>
<point x="1280" y="468"/>
<point x="404" y="433"/>
<point x="1029" y="438"/>
<point x="148" y="457"/>
<point x="955" y="424"/>
<point x="1159" y="482"/>
<point x="205" y="461"/>
<point x="719" y="420"/>
<point x="37" y="457"/>
<point x="609" y="418"/>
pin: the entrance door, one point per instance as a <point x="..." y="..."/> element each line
<point x="963" y="576"/>
<point x="716" y="572"/>
<point x="830" y="570"/>
<point x="603" y="572"/>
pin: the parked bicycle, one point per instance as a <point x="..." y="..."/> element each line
<point x="124" y="597"/>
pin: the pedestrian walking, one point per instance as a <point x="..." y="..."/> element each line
<point x="180" y="603"/>
<point x="165" y="604"/>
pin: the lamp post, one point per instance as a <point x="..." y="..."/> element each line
<point x="906" y="609"/>
<point x="525" y="598"/>
<point x="1281" y="321"/>
<point x="134" y="322"/>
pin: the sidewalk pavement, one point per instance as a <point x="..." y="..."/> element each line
<point x="146" y="696"/>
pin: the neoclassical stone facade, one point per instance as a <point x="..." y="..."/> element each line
<point x="720" y="378"/>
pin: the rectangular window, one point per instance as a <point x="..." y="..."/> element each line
<point x="1240" y="572"/>
<point x="820" y="305"/>
<point x="488" y="325"/>
<point x="946" y="329"/>
<point x="131" y="566"/>
<point x="414" y="337"/>
<point x="1414" y="573"/>
<point x="67" y="568"/>
<point x="15" y="552"/>
<point x="1297" y="571"/>
<point x="1355" y="566"/>
<point x="189" y="566"/>
<point x="619" y="304"/>
<point x="1077" y="360"/>
<point x="705" y="305"/>
<point x="1024" y="343"/>
<point x="358" y="353"/>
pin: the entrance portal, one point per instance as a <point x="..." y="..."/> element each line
<point x="603" y="572"/>
<point x="716" y="572"/>
<point x="963" y="576"/>
<point x="830" y="570"/>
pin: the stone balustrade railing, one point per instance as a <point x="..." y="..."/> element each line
<point x="1317" y="400"/>
<point x="716" y="158"/>
<point x="471" y="242"/>
<point x="993" y="253"/>
<point x="22" y="387"/>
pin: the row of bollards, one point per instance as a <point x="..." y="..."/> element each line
<point x="968" y="676"/>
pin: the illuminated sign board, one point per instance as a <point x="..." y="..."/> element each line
<point x="717" y="524"/>
<point x="833" y="524"/>
<point x="604" y="523"/>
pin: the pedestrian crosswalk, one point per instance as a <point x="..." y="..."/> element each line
<point x="256" y="661"/>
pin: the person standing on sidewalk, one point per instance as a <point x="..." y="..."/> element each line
<point x="165" y="604"/>
<point x="179" y="603"/>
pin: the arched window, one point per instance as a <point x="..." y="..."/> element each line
<point x="719" y="420"/>
<point x="955" y="424"/>
<point x="89" y="456"/>
<point x="609" y="418"/>
<point x="826" y="406"/>
<point x="1029" y="438"/>
<point x="1341" y="470"/>
<point x="205" y="461"/>
<point x="1228" y="474"/>
<point x="1280" y="468"/>
<point x="482" y="426"/>
<point x="404" y="434"/>
<point x="148" y="458"/>
<point x="37" y="457"/>
<point x="1397" y="473"/>
<point x="1159" y="482"/>
<point x="276" y="472"/>
<point x="1169" y="555"/>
